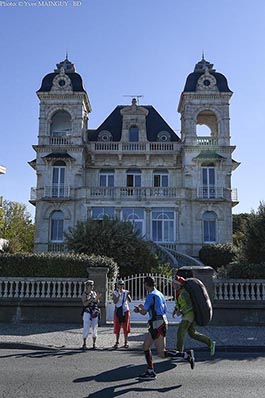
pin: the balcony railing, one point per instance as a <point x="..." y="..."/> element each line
<point x="210" y="192"/>
<point x="239" y="289"/>
<point x="213" y="192"/>
<point x="133" y="147"/>
<point x="207" y="141"/>
<point x="234" y="196"/>
<point x="57" y="247"/>
<point x="134" y="193"/>
<point x="57" y="191"/>
<point x="64" y="140"/>
<point x="41" y="288"/>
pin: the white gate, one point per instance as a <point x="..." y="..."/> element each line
<point x="135" y="285"/>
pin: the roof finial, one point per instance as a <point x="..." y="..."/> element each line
<point x="66" y="55"/>
<point x="203" y="54"/>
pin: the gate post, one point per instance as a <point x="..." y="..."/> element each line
<point x="205" y="274"/>
<point x="99" y="276"/>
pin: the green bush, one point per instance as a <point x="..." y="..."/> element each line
<point x="51" y="265"/>
<point x="218" y="255"/>
<point x="244" y="271"/>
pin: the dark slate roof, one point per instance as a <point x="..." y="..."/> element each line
<point x="154" y="124"/>
<point x="192" y="79"/>
<point x="76" y="80"/>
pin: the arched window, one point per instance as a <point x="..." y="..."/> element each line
<point x="57" y="226"/>
<point x="136" y="217"/>
<point x="133" y="134"/>
<point x="209" y="227"/>
<point x="98" y="213"/>
<point x="61" y="124"/>
<point x="163" y="222"/>
<point x="207" y="124"/>
<point x="58" y="179"/>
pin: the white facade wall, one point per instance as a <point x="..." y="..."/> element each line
<point x="183" y="161"/>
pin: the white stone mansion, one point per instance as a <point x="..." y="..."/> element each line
<point x="175" y="189"/>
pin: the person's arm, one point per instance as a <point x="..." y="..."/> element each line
<point x="115" y="296"/>
<point x="129" y="297"/>
<point x="140" y="309"/>
<point x="86" y="301"/>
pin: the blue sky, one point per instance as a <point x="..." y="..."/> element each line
<point x="128" y="47"/>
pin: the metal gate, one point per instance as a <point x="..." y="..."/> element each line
<point x="135" y="285"/>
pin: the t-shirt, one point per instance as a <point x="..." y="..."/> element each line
<point x="123" y="300"/>
<point x="155" y="301"/>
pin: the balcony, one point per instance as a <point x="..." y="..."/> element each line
<point x="213" y="192"/>
<point x="131" y="193"/>
<point x="210" y="192"/>
<point x="64" y="140"/>
<point x="50" y="192"/>
<point x="133" y="147"/>
<point x="207" y="141"/>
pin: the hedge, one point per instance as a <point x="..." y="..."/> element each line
<point x="245" y="271"/>
<point x="51" y="265"/>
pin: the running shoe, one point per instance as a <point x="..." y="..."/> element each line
<point x="212" y="348"/>
<point x="148" y="375"/>
<point x="191" y="358"/>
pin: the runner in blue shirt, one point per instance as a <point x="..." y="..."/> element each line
<point x="155" y="306"/>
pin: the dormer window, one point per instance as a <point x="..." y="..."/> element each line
<point x="105" y="136"/>
<point x="163" y="136"/>
<point x="133" y="134"/>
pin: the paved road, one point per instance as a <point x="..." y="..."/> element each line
<point x="108" y="373"/>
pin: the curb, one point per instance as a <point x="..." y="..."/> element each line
<point x="41" y="347"/>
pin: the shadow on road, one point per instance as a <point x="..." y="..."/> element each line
<point x="124" y="373"/>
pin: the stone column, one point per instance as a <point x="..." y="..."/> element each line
<point x="99" y="276"/>
<point x="205" y="274"/>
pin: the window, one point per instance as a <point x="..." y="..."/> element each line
<point x="105" y="136"/>
<point x="61" y="124"/>
<point x="209" y="227"/>
<point x="163" y="222"/>
<point x="106" y="178"/>
<point x="133" y="134"/>
<point x="133" y="178"/>
<point x="163" y="136"/>
<point x="98" y="213"/>
<point x="160" y="178"/>
<point x="57" y="226"/>
<point x="208" y="182"/>
<point x="136" y="217"/>
<point x="58" y="179"/>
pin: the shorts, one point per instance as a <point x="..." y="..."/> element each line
<point x="157" y="328"/>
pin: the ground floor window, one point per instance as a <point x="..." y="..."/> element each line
<point x="136" y="217"/>
<point x="209" y="227"/>
<point x="57" y="226"/>
<point x="163" y="222"/>
<point x="98" y="213"/>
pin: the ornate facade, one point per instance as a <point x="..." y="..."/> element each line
<point x="175" y="189"/>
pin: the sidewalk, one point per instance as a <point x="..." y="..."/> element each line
<point x="69" y="336"/>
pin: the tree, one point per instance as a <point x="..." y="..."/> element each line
<point x="239" y="224"/>
<point x="16" y="226"/>
<point x="115" y="239"/>
<point x="253" y="245"/>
